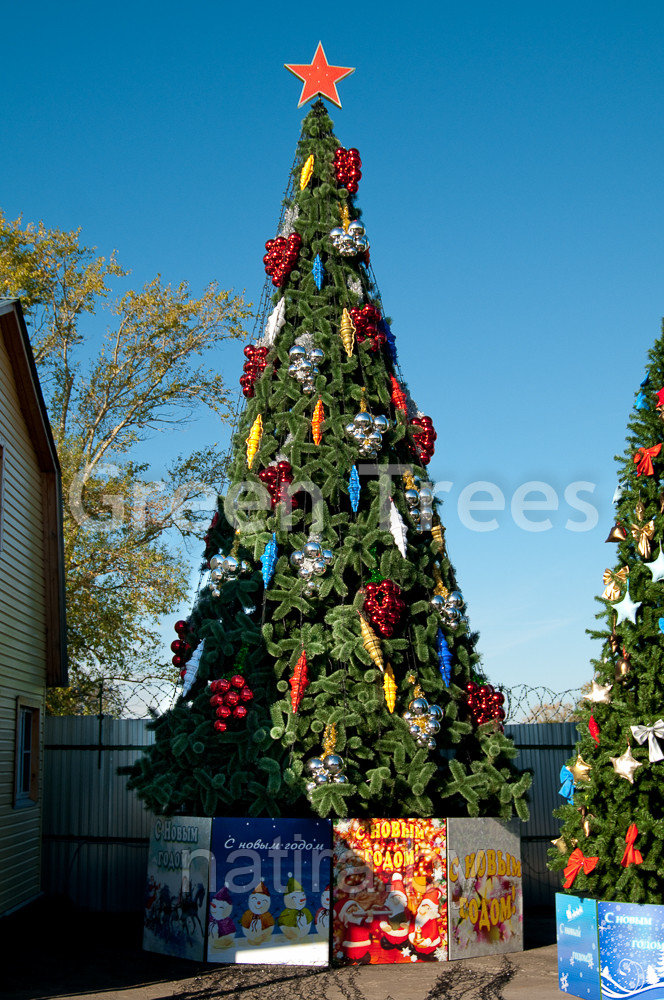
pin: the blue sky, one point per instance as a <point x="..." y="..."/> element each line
<point x="512" y="194"/>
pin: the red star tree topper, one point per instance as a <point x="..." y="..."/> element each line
<point x="319" y="77"/>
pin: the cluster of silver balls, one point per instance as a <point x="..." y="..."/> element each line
<point x="327" y="771"/>
<point x="450" y="607"/>
<point x="423" y="721"/>
<point x="311" y="562"/>
<point x="420" y="505"/>
<point x="225" y="568"/>
<point x="304" y="362"/>
<point x="350" y="242"/>
<point x="368" y="432"/>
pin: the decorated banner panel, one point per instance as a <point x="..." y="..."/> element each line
<point x="578" y="950"/>
<point x="631" y="945"/>
<point x="484" y="887"/>
<point x="176" y="891"/>
<point x="390" y="891"/>
<point x="270" y="891"/>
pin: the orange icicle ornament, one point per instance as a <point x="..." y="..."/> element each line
<point x="398" y="395"/>
<point x="317" y="422"/>
<point x="299" y="682"/>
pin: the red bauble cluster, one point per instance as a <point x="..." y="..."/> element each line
<point x="347" y="165"/>
<point x="384" y="606"/>
<point x="484" y="703"/>
<point x="182" y="648"/>
<point x="424" y="437"/>
<point x="277" y="478"/>
<point x="367" y="322"/>
<point x="281" y="256"/>
<point x="254" y="367"/>
<point x="227" y="698"/>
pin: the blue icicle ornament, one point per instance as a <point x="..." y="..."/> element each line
<point x="269" y="559"/>
<point x="390" y="342"/>
<point x="318" y="271"/>
<point x="444" y="658"/>
<point x="354" y="489"/>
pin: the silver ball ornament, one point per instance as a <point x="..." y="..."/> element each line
<point x="333" y="763"/>
<point x="419" y="706"/>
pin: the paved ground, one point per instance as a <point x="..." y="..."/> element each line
<point x="55" y="953"/>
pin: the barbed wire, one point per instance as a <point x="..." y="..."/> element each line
<point x="147" y="697"/>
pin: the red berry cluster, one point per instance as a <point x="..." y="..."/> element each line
<point x="281" y="256"/>
<point x="485" y="703"/>
<point x="277" y="478"/>
<point x="254" y="367"/>
<point x="226" y="698"/>
<point x="367" y="322"/>
<point x="182" y="649"/>
<point x="424" y="438"/>
<point x="384" y="606"/>
<point x="347" y="165"/>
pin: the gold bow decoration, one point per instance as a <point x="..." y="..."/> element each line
<point x="642" y="534"/>
<point x="613" y="581"/>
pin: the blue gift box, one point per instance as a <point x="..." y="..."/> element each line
<point x="631" y="943"/>
<point x="578" y="946"/>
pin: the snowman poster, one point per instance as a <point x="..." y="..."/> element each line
<point x="485" y="888"/>
<point x="269" y="891"/>
<point x="389" y="900"/>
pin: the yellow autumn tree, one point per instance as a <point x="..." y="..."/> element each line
<point x="106" y="393"/>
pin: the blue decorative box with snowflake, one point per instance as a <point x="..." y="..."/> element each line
<point x="578" y="946"/>
<point x="631" y="942"/>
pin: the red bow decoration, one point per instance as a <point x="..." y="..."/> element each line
<point x="643" y="459"/>
<point x="631" y="855"/>
<point x="575" y="864"/>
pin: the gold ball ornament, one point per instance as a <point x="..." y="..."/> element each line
<point x="623" y="666"/>
<point x="580" y="770"/>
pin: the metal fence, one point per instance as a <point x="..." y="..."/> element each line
<point x="96" y="832"/>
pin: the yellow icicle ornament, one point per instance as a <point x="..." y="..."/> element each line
<point x="317" y="422"/>
<point x="440" y="587"/>
<point x="437" y="533"/>
<point x="329" y="738"/>
<point x="254" y="439"/>
<point x="347" y="332"/>
<point x="307" y="171"/>
<point x="390" y="687"/>
<point x="345" y="216"/>
<point x="371" y="644"/>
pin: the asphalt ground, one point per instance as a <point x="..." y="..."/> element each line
<point x="51" y="950"/>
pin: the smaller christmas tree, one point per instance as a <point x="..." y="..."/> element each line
<point x="612" y="840"/>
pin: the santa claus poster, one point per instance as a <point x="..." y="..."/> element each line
<point x="485" y="887"/>
<point x="390" y="891"/>
<point x="269" y="899"/>
<point x="176" y="890"/>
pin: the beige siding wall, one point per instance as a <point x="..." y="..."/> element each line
<point x="22" y="638"/>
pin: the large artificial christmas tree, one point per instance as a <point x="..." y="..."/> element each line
<point x="328" y="664"/>
<point x="612" y="840"/>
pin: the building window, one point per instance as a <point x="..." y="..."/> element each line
<point x="27" y="754"/>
